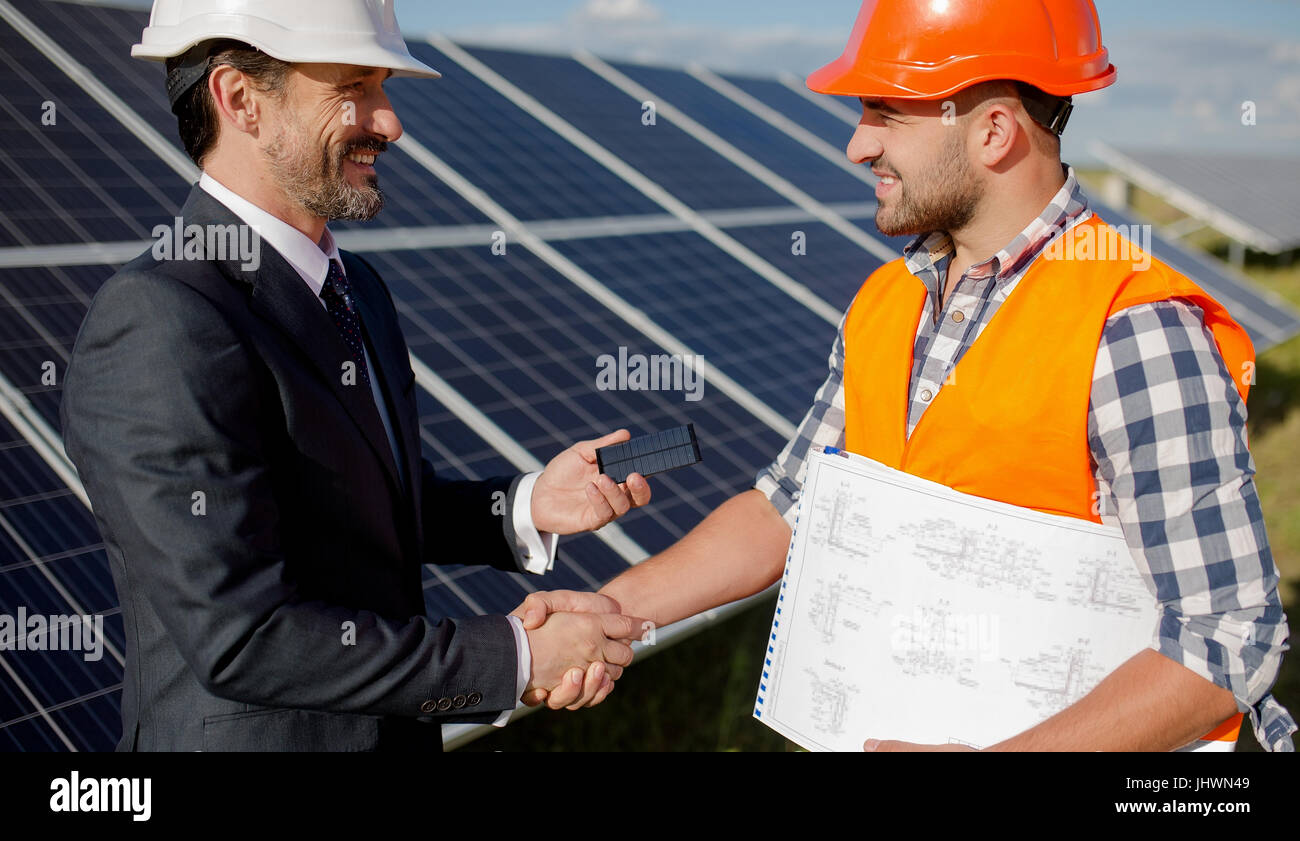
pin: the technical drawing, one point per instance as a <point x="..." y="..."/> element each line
<point x="830" y="702"/>
<point x="1109" y="584"/>
<point x="1058" y="677"/>
<point x="980" y="556"/>
<point x="840" y="604"/>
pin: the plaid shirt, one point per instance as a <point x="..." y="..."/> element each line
<point x="1167" y="431"/>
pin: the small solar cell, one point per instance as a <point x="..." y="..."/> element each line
<point x="650" y="454"/>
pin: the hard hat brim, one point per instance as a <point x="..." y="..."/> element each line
<point x="845" y="77"/>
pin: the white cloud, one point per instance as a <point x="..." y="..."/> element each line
<point x="1286" y="52"/>
<point x="635" y="30"/>
<point x="618" y="10"/>
<point x="1183" y="89"/>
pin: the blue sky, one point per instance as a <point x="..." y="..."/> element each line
<point x="839" y="14"/>
<point x="1186" y="67"/>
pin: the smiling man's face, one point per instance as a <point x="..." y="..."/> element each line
<point x="927" y="182"/>
<point x="324" y="136"/>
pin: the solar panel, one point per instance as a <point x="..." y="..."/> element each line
<point x="814" y="255"/>
<point x="528" y="168"/>
<point x="691" y="171"/>
<point x="68" y="172"/>
<point x="1248" y="197"/>
<point x="775" y="94"/>
<point x="777" y="351"/>
<point x="52" y="564"/>
<point x="769" y="146"/>
<point x="649" y="455"/>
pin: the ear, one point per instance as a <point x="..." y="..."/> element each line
<point x="238" y="103"/>
<point x="996" y="133"/>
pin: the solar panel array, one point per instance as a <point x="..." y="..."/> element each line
<point x="1248" y="197"/>
<point x="646" y="208"/>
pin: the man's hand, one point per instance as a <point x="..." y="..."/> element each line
<point x="569" y="644"/>
<point x="595" y="685"/>
<point x="572" y="495"/>
<point x="537" y="606"/>
<point x="887" y="746"/>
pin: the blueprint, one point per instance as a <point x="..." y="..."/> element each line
<point x="911" y="611"/>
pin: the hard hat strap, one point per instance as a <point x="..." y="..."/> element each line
<point x="1052" y="112"/>
<point x="189" y="70"/>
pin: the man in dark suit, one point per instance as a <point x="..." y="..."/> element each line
<point x="247" y="432"/>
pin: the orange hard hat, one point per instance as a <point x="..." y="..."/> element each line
<point x="929" y="49"/>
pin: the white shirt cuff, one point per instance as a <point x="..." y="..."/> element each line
<point x="534" y="550"/>
<point x="523" y="671"/>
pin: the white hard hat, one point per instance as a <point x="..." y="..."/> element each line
<point x="361" y="32"/>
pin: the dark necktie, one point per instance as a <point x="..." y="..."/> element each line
<point x="337" y="294"/>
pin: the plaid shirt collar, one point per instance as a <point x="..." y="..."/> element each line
<point x="928" y="255"/>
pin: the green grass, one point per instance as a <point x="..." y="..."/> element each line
<point x="695" y="696"/>
<point x="699" y="694"/>
<point x="1274" y="425"/>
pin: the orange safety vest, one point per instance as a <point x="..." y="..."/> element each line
<point x="1011" y="422"/>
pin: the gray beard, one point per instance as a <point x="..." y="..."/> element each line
<point x="320" y="187"/>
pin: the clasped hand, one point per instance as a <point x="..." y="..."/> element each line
<point x="579" y="643"/>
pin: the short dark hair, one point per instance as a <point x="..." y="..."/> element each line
<point x="1039" y="101"/>
<point x="196" y="113"/>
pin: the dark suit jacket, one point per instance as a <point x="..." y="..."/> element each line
<point x="253" y="515"/>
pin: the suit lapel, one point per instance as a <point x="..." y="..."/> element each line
<point x="281" y="297"/>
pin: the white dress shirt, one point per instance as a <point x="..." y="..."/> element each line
<point x="534" y="550"/>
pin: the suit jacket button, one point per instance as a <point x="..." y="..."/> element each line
<point x="444" y="704"/>
<point x="474" y="699"/>
<point x="428" y="706"/>
<point x="459" y="701"/>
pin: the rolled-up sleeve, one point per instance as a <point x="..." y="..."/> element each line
<point x="1167" y="429"/>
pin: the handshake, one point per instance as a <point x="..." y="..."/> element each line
<point x="579" y="644"/>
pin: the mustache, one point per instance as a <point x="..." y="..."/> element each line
<point x="367" y="145"/>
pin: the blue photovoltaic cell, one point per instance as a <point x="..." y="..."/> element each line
<point x="40" y="312"/>
<point x="834" y="130"/>
<point x="530" y="170"/>
<point x="745" y="326"/>
<point x="46" y="536"/>
<point x="95" y="722"/>
<point x="101" y="38"/>
<point x="849" y="103"/>
<point x="831" y="265"/>
<point x="68" y="171"/>
<point x="658" y="452"/>
<point x="770" y="146"/>
<point x="694" y="173"/>
<point x="31" y="733"/>
<point x="52" y="564"/>
<point x="60" y="677"/>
